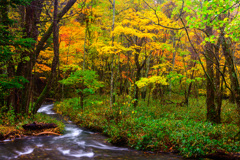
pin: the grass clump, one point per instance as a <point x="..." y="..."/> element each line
<point x="163" y="128"/>
<point x="11" y="124"/>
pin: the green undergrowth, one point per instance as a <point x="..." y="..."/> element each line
<point x="40" y="117"/>
<point x="12" y="123"/>
<point x="157" y="127"/>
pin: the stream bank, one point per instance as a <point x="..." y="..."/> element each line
<point x="153" y="129"/>
<point x="75" y="143"/>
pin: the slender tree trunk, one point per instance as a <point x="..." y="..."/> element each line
<point x="138" y="76"/>
<point x="55" y="39"/>
<point x="136" y="94"/>
<point x="84" y="47"/>
<point x="187" y="95"/>
<point x="173" y="62"/>
<point x="144" y="93"/>
<point x="112" y="96"/>
<point x="232" y="98"/>
<point x="117" y="78"/>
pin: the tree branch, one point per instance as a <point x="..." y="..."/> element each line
<point x="155" y="12"/>
<point x="224" y="11"/>
<point x="48" y="33"/>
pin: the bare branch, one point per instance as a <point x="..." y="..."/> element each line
<point x="111" y="2"/>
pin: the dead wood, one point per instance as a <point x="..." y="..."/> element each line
<point x="38" y="126"/>
<point x="49" y="133"/>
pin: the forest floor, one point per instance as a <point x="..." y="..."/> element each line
<point x="157" y="127"/>
<point x="11" y="127"/>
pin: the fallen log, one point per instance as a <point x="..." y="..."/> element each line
<point x="49" y="133"/>
<point x="38" y="126"/>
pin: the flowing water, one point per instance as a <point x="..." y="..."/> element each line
<point x="75" y="143"/>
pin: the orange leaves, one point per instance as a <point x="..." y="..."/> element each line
<point x="71" y="46"/>
<point x="72" y="32"/>
<point x="42" y="68"/>
<point x="126" y="77"/>
<point x="44" y="62"/>
<point x="71" y="49"/>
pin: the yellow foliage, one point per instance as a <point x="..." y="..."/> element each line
<point x="152" y="80"/>
<point x="42" y="68"/>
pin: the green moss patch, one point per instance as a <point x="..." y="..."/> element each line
<point x="12" y="127"/>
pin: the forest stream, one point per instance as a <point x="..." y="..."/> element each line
<point x="75" y="143"/>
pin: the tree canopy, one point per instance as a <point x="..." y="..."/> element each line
<point x="160" y="47"/>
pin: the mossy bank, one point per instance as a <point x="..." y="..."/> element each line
<point x="11" y="125"/>
<point x="158" y="128"/>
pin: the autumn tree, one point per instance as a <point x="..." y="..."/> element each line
<point x="21" y="64"/>
<point x="211" y="20"/>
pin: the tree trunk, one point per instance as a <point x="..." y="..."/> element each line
<point x="173" y="61"/>
<point x="138" y="75"/>
<point x="218" y="98"/>
<point x="211" y="112"/>
<point x="112" y="96"/>
<point x="229" y="59"/>
<point x="144" y="93"/>
<point x="54" y="62"/>
<point x="31" y="17"/>
<point x="232" y="98"/>
<point x="39" y="47"/>
<point x="84" y="47"/>
<point x="188" y="92"/>
<point x="136" y="94"/>
<point x="48" y="33"/>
